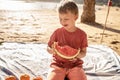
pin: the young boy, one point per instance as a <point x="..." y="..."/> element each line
<point x="72" y="36"/>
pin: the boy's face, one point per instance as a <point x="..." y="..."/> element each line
<point x="67" y="20"/>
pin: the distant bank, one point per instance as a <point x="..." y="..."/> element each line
<point x="78" y="1"/>
<point x="99" y="2"/>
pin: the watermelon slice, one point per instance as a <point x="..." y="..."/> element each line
<point x="66" y="51"/>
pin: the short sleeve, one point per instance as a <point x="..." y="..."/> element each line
<point x="52" y="39"/>
<point x="84" y="41"/>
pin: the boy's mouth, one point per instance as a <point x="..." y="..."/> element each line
<point x="65" y="25"/>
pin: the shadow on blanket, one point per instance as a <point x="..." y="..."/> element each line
<point x="100" y="63"/>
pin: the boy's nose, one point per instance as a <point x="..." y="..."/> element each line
<point x="63" y="22"/>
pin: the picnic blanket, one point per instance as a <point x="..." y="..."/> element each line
<point x="100" y="63"/>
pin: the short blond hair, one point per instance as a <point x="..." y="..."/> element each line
<point x="68" y="6"/>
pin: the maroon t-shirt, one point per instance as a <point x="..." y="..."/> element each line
<point x="76" y="39"/>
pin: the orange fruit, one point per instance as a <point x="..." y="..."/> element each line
<point x="24" y="77"/>
<point x="10" y="77"/>
<point x="38" y="78"/>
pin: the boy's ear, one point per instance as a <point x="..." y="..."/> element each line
<point x="76" y="17"/>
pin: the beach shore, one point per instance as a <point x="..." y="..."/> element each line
<point x="36" y="26"/>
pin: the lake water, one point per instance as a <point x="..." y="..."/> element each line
<point x="22" y="5"/>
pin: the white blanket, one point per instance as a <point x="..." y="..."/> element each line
<point x="100" y="63"/>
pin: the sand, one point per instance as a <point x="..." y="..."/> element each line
<point x="36" y="26"/>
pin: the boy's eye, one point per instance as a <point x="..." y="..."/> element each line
<point x="65" y="19"/>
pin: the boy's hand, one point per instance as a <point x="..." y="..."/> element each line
<point x="82" y="53"/>
<point x="51" y="50"/>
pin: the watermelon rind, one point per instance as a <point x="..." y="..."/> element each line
<point x="63" y="56"/>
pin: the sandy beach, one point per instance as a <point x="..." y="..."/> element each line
<point x="36" y="26"/>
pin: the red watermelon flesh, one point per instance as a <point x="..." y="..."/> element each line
<point x="66" y="51"/>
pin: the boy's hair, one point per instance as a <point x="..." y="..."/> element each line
<point x="68" y="6"/>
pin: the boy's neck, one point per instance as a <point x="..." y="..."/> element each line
<point x="73" y="29"/>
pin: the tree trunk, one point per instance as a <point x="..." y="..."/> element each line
<point x="88" y="15"/>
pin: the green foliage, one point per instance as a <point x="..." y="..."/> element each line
<point x="1" y="43"/>
<point x="116" y="4"/>
<point x="104" y="2"/>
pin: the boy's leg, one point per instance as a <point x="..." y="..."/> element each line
<point x="56" y="73"/>
<point x="77" y="73"/>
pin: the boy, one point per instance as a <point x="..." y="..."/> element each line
<point x="72" y="36"/>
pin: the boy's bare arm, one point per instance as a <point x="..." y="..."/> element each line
<point x="82" y="53"/>
<point x="51" y="50"/>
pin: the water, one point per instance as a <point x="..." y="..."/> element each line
<point x="22" y="5"/>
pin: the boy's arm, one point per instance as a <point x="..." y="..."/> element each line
<point x="82" y="53"/>
<point x="51" y="50"/>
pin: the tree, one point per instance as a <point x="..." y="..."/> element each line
<point x="88" y="15"/>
